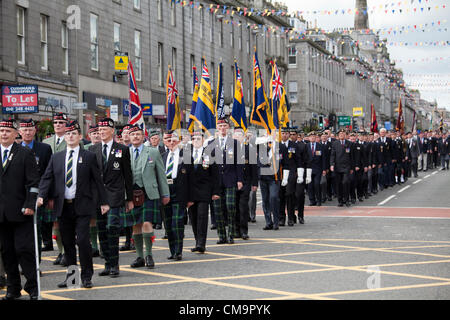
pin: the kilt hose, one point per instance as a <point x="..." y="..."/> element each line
<point x="174" y="217"/>
<point x="226" y="202"/>
<point x="109" y="226"/>
<point x="150" y="211"/>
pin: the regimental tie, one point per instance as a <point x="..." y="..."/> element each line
<point x="5" y="157"/>
<point x="137" y="154"/>
<point x="170" y="167"/>
<point x="69" y="178"/>
<point x="196" y="160"/>
<point x="58" y="141"/>
<point x="105" y="155"/>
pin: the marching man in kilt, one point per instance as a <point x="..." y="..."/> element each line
<point x="178" y="177"/>
<point x="149" y="186"/>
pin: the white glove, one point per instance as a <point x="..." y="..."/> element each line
<point x="285" y="178"/>
<point x="300" y="172"/>
<point x="308" y="176"/>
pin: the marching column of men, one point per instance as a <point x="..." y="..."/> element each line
<point x="90" y="192"/>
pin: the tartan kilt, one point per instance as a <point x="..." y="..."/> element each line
<point x="46" y="215"/>
<point x="149" y="212"/>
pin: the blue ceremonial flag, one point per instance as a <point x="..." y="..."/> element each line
<point x="220" y="96"/>
<point x="205" y="116"/>
<point x="194" y="101"/>
<point x="238" y="112"/>
<point x="172" y="103"/>
<point x="261" y="114"/>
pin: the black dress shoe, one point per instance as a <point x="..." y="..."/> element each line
<point x="12" y="296"/>
<point x="222" y="241"/>
<point x="114" y="273"/>
<point x="360" y="199"/>
<point x="301" y="221"/>
<point x="95" y="253"/>
<point x="2" y="282"/>
<point x="158" y="227"/>
<point x="213" y="227"/>
<point x="290" y="223"/>
<point x="63" y="284"/>
<point x="105" y="272"/>
<point x="138" y="263"/>
<point x="348" y="204"/>
<point x="275" y="227"/>
<point x="194" y="249"/>
<point x="149" y="263"/>
<point x="63" y="261"/>
<point x="268" y="228"/>
<point x="329" y="199"/>
<point x="34" y="296"/>
<point x="353" y="201"/>
<point x="126" y="247"/>
<point x="319" y="204"/>
<point x="201" y="250"/>
<point x="165" y="237"/>
<point x="245" y="237"/>
<point x="87" y="284"/>
<point x="230" y="240"/>
<point x="282" y="224"/>
<point x="178" y="257"/>
<point x="341" y="204"/>
<point x="312" y="204"/>
<point x="254" y="220"/>
<point x="58" y="259"/>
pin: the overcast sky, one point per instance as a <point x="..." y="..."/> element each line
<point x="424" y="73"/>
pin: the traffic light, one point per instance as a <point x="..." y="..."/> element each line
<point x="321" y="122"/>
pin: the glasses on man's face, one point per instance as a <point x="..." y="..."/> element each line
<point x="196" y="139"/>
<point x="59" y="122"/>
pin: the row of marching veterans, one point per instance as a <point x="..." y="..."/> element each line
<point x="89" y="190"/>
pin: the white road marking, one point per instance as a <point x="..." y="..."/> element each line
<point x="407" y="187"/>
<point x="417" y="181"/>
<point x="435" y="172"/>
<point x="427" y="176"/>
<point x="385" y="201"/>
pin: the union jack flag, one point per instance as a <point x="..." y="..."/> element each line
<point x="205" y="72"/>
<point x="135" y="115"/>
<point x="172" y="91"/>
<point x="277" y="85"/>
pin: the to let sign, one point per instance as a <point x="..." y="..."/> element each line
<point x="20" y="99"/>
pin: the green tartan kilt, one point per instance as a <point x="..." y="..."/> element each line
<point x="149" y="212"/>
<point x="46" y="215"/>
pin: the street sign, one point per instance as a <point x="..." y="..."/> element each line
<point x="114" y="112"/>
<point x="147" y="108"/>
<point x="20" y="99"/>
<point x="121" y="63"/>
<point x="344" y="120"/>
<point x="80" y="106"/>
<point x="358" y="112"/>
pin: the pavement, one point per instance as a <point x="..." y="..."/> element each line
<point x="393" y="246"/>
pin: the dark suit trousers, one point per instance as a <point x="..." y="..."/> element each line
<point x="242" y="209"/>
<point x="342" y="186"/>
<point x="17" y="239"/>
<point x="353" y="183"/>
<point x="314" y="191"/>
<point x="199" y="219"/>
<point x="75" y="231"/>
<point x="283" y="204"/>
<point x="300" y="197"/>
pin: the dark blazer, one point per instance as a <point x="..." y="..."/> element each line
<point x="162" y="149"/>
<point x="89" y="182"/>
<point x="42" y="152"/>
<point x="204" y="179"/>
<point x="367" y="154"/>
<point x="250" y="170"/>
<point x="397" y="151"/>
<point x="358" y="157"/>
<point x="384" y="151"/>
<point x="180" y="190"/>
<point x="444" y="146"/>
<point x="230" y="171"/>
<point x="341" y="156"/>
<point x="423" y="146"/>
<point x="318" y="159"/>
<point x="20" y="174"/>
<point x="327" y="153"/>
<point x="117" y="176"/>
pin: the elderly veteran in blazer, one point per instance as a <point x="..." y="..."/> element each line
<point x="19" y="180"/>
<point x="178" y="174"/>
<point x="115" y="167"/>
<point x="149" y="188"/>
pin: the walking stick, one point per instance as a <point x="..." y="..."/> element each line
<point x="36" y="250"/>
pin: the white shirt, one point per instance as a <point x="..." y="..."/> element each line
<point x="223" y="141"/>
<point x="197" y="160"/>
<point x="69" y="193"/>
<point x="176" y="160"/>
<point x="108" y="149"/>
<point x="3" y="151"/>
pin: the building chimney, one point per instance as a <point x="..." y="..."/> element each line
<point x="362" y="18"/>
